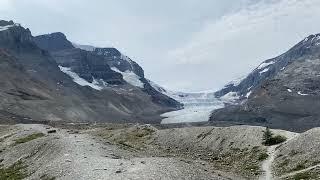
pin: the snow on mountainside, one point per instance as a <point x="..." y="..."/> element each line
<point x="282" y="92"/>
<point x="269" y="68"/>
<point x="82" y="82"/>
<point x="128" y="74"/>
<point x="84" y="47"/>
<point x="130" y="77"/>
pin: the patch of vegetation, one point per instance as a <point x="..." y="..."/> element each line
<point x="29" y="138"/>
<point x="304" y="176"/>
<point x="132" y="138"/>
<point x="13" y="172"/>
<point x="269" y="139"/>
<point x="285" y="163"/>
<point x="47" y="177"/>
<point x="293" y="153"/>
<point x="253" y="168"/>
<point x="299" y="167"/>
<point x="263" y="156"/>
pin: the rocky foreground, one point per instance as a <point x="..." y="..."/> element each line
<point x="113" y="151"/>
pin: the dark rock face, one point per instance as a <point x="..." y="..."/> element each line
<point x="307" y="48"/>
<point x="97" y="65"/>
<point x="115" y="59"/>
<point x="33" y="88"/>
<point x="53" y="42"/>
<point x="87" y="65"/>
<point x="288" y="97"/>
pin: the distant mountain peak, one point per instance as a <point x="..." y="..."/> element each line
<point x="53" y="42"/>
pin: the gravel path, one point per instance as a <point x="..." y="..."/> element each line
<point x="66" y="155"/>
<point x="267" y="164"/>
<point x="271" y="151"/>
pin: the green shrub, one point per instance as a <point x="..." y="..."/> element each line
<point x="13" y="172"/>
<point x="263" y="156"/>
<point x="269" y="139"/>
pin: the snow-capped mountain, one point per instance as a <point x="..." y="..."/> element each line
<point x="282" y="92"/>
<point x="103" y="67"/>
<point x="64" y="83"/>
<point x="269" y="68"/>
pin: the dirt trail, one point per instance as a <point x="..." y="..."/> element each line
<point x="65" y="155"/>
<point x="271" y="151"/>
<point x="267" y="164"/>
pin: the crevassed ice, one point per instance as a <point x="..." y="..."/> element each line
<point x="77" y="79"/>
<point x="130" y="77"/>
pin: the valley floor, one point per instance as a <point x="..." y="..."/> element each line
<point x="112" y="151"/>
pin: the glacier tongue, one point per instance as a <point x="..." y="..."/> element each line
<point x="197" y="106"/>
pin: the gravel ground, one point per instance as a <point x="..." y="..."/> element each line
<point x="144" y="152"/>
<point x="70" y="155"/>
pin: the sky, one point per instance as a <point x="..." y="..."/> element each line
<point x="183" y="45"/>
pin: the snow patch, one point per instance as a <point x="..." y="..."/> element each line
<point x="236" y="82"/>
<point x="265" y="64"/>
<point x="264" y="71"/>
<point x="130" y="77"/>
<point x="3" y="28"/>
<point x="124" y="57"/>
<point x="231" y="97"/>
<point x="289" y="90"/>
<point x="84" y="47"/>
<point x="248" y="94"/>
<point x="77" y="79"/>
<point x="302" y="94"/>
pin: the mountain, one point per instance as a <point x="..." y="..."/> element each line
<point x="282" y="92"/>
<point x="103" y="66"/>
<point x="44" y="81"/>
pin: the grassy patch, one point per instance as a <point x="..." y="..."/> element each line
<point x="285" y="163"/>
<point x="304" y="176"/>
<point x="13" y="172"/>
<point x="263" y="156"/>
<point x="47" y="177"/>
<point x="132" y="138"/>
<point x="28" y="138"/>
<point x="299" y="167"/>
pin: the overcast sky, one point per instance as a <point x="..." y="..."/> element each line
<point x="187" y="45"/>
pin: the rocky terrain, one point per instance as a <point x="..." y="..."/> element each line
<point x="282" y="92"/>
<point x="46" y="79"/>
<point x="129" y="151"/>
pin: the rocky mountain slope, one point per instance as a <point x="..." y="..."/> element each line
<point x="35" y="87"/>
<point x="282" y="92"/>
<point x="102" y="66"/>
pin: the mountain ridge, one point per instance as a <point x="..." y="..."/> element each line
<point x="56" y="95"/>
<point x="283" y="91"/>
